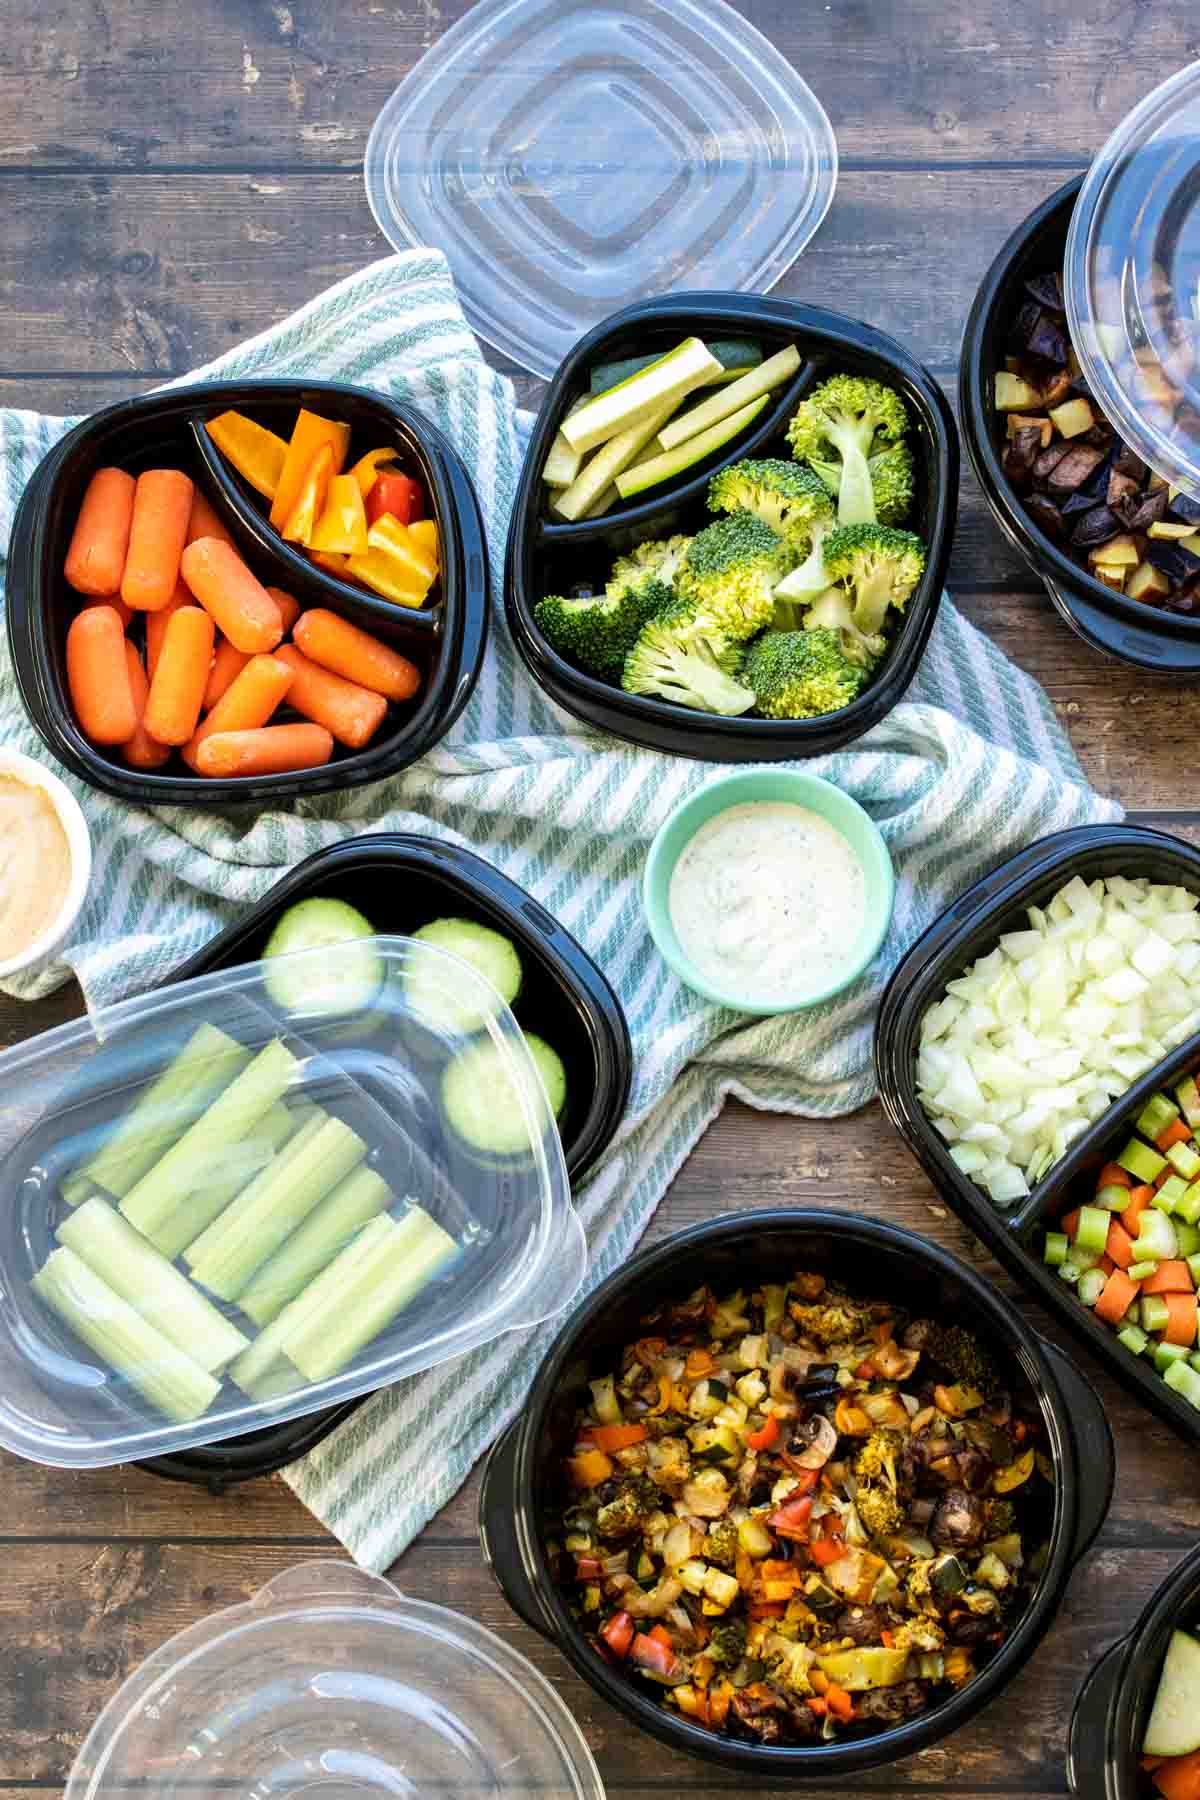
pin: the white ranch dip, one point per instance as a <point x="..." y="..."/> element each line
<point x="767" y="899"/>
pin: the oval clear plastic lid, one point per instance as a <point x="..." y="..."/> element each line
<point x="1132" y="279"/>
<point x="572" y="157"/>
<point x="255" y="1194"/>
<point x="330" y="1678"/>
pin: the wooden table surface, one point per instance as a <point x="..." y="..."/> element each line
<point x="175" y="178"/>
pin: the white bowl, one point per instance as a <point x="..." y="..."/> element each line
<point x="79" y="843"/>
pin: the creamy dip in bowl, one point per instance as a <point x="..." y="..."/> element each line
<point x="45" y="861"/>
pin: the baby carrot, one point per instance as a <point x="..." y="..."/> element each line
<point x="203" y="521"/>
<point x="162" y="505"/>
<point x="348" y="651"/>
<point x="247" y="702"/>
<point x="98" y="676"/>
<point x="289" y="607"/>
<point x="157" y="622"/>
<point x="177" y="690"/>
<point x="96" y="557"/>
<point x="238" y="602"/>
<point x="353" y="714"/>
<point x="272" y="750"/>
<point x="122" y="611"/>
<point x="141" y="751"/>
<point x="227" y="665"/>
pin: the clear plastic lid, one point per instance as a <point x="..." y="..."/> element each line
<point x="331" y="1679"/>
<point x="572" y="157"/>
<point x="255" y="1194"/>
<point x="1132" y="279"/>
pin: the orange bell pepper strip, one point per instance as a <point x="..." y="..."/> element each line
<point x="301" y="521"/>
<point x="398" y="495"/>
<point x="257" y="454"/>
<point x="309" y="434"/>
<point x="394" y="565"/>
<point x="342" y="526"/>
<point x="765" y="1436"/>
<point x="616" y="1437"/>
<point x="368" y="468"/>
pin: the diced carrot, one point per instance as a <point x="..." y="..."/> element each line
<point x="177" y="688"/>
<point x="238" y="603"/>
<point x="1181" y="1322"/>
<point x="1179" y="1777"/>
<point x="839" y="1703"/>
<point x="1106" y="1265"/>
<point x="272" y="750"/>
<point x="96" y="555"/>
<point x="289" y="607"/>
<point x="1070" y="1224"/>
<point x="204" y="522"/>
<point x="1118" y="1296"/>
<point x="227" y="665"/>
<point x="1119" y="1247"/>
<point x="248" y="702"/>
<point x="1169" y="1278"/>
<point x="98" y="676"/>
<point x="355" y="654"/>
<point x="817" y="1705"/>
<point x="1176" y="1133"/>
<point x="157" y="622"/>
<point x="353" y="714"/>
<point x="1139" y="1200"/>
<point x="162" y="505"/>
<point x="141" y="751"/>
<point x="616" y="1437"/>
<point x="1113" y="1175"/>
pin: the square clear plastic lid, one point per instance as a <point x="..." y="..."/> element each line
<point x="258" y="1193"/>
<point x="573" y="156"/>
<point x="1132" y="279"/>
<point x="331" y="1679"/>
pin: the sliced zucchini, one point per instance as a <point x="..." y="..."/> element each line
<point x="444" y="1005"/>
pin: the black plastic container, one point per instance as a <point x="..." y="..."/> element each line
<point x="1147" y="637"/>
<point x="736" y="1251"/>
<point x="401" y="883"/>
<point x="547" y="557"/>
<point x="969" y="929"/>
<point x="445" y="639"/>
<point x="1113" y="1709"/>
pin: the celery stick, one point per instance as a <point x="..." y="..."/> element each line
<point x="154" y="1287"/>
<point x="326" y="1231"/>
<point x="240" y="1163"/>
<point x="382" y="1283"/>
<point x="161" y="1113"/>
<point x="150" y="1362"/>
<point x="225" y="1257"/>
<point x="771" y="374"/>
<point x="187" y="1164"/>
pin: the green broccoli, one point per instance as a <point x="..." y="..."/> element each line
<point x="879" y="1497"/>
<point x="954" y="1349"/>
<point x="852" y="416"/>
<point x="831" y="611"/>
<point x="891" y="473"/>
<point x="876" y="1460"/>
<point x="727" y="1645"/>
<point x="800" y="674"/>
<point x="806" y="582"/>
<point x="784" y="495"/>
<point x="627" y="1511"/>
<point x="721" y="1544"/>
<point x="596" y="632"/>
<point x="730" y="574"/>
<point x="879" y="565"/>
<point x="675" y="659"/>
<point x="659" y="557"/>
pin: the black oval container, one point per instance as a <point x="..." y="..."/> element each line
<point x="1144" y="636"/>
<point x="735" y="1251"/>
<point x="446" y="640"/>
<point x="544" y="557"/>
<point x="1113" y="1709"/>
<point x="400" y="883"/>
<point x="969" y="929"/>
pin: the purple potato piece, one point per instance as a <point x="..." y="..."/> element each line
<point x="1043" y="512"/>
<point x="1022" y="452"/>
<point x="1095" y="527"/>
<point x="1100" y="433"/>
<point x="1077" y="466"/>
<point x="1025" y="324"/>
<point x="1057" y="389"/>
<point x="1047" y="343"/>
<point x="1170" y="557"/>
<point x="1075" y="505"/>
<point x="1185" y="508"/>
<point x="1122" y="489"/>
<point x="1046" y="290"/>
<point x="1049" y="460"/>
<point x="1183" y="602"/>
<point x="1151" y="509"/>
<point x="1128" y="462"/>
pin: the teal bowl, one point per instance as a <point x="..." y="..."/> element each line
<point x="774" y="785"/>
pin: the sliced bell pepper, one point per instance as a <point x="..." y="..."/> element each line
<point x="331" y="562"/>
<point x="590" y="1468"/>
<point x="394" y="566"/>
<point x="791" y="1519"/>
<point x="765" y="1436"/>
<point x="648" y="1653"/>
<point x="615" y="1437"/>
<point x="368" y="468"/>
<point x="301" y="522"/>
<point x="826" y="1550"/>
<point x="342" y="526"/>
<point x="256" y="453"/>
<point x="618" y="1633"/>
<point x="309" y="433"/>
<point x="398" y="495"/>
<point x="425" y="533"/>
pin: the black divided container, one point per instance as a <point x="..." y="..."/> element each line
<point x="548" y="557"/>
<point x="1146" y="637"/>
<point x="969" y="929"/>
<point x="521" y="1484"/>
<point x="445" y="639"/>
<point x="401" y="883"/>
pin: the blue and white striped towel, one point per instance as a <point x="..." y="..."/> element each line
<point x="971" y="766"/>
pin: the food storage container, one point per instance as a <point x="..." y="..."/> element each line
<point x="261" y="1192"/>
<point x="966" y="930"/>
<point x="444" y="639"/>
<point x="737" y="1251"/>
<point x="547" y="557"/>
<point x="329" y="1677"/>
<point x="1114" y="1705"/>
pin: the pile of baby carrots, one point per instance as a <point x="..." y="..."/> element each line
<point x="216" y="667"/>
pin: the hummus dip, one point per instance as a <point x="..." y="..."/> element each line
<point x="35" y="865"/>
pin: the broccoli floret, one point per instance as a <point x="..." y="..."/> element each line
<point x="921" y="1633"/>
<point x="658" y="556"/>
<point x="831" y="611"/>
<point x="730" y="574"/>
<point x="953" y="1348"/>
<point x="727" y="1645"/>
<point x="841" y="423"/>
<point x="628" y="1509"/>
<point x="891" y="472"/>
<point x="833" y="1320"/>
<point x="879" y="1499"/>
<point x="805" y="583"/>
<point x="789" y="1663"/>
<point x="877" y="1459"/>
<point x="675" y="658"/>
<point x="721" y="1544"/>
<point x="596" y="632"/>
<point x="879" y="1510"/>
<point x="784" y="495"/>
<point x="879" y="565"/>
<point x="801" y="674"/>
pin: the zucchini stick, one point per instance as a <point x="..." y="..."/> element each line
<point x="326" y="1231"/>
<point x="154" y="1287"/>
<point x="238" y="1166"/>
<point x="769" y="375"/>
<point x="162" y="1112"/>
<point x="233" y="1115"/>
<point x="151" y="1363"/>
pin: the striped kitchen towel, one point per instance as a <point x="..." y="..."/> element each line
<point x="968" y="768"/>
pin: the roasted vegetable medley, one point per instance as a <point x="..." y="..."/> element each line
<point x="797" y="1513"/>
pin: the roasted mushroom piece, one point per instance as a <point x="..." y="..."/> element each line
<point x="958" y="1521"/>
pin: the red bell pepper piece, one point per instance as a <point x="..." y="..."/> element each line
<point x="648" y="1653"/>
<point x="826" y="1550"/>
<point x="618" y="1633"/>
<point x="765" y="1436"/>
<point x="588" y="1568"/>
<point x="399" y="495"/>
<point x="791" y="1519"/>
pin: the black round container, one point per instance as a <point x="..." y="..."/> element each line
<point x="446" y="639"/>
<point x="736" y="1251"/>
<point x="547" y="557"/>
<point x="1114" y="1704"/>
<point x="1145" y="636"/>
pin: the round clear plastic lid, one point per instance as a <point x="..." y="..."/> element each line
<point x="331" y="1679"/>
<point x="252" y="1195"/>
<point x="573" y="156"/>
<point x="1132" y="279"/>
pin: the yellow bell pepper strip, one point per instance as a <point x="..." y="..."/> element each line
<point x="331" y="562"/>
<point x="368" y="468"/>
<point x="425" y="533"/>
<point x="309" y="433"/>
<point x="310" y="500"/>
<point x="394" y="565"/>
<point x="256" y="453"/>
<point x="342" y="526"/>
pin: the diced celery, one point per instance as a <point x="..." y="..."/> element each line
<point x="1166" y="1354"/>
<point x="1193" y="1263"/>
<point x="1168" y="1196"/>
<point x="1156" y="1115"/>
<point x="1114" y="1197"/>
<point x="1092" y="1231"/>
<point x="241" y="1163"/>
<point x="1140" y="1160"/>
<point x="1069" y="1272"/>
<point x="1187" y="1239"/>
<point x="1092" y="1284"/>
<point x="1156" y="1314"/>
<point x="1184" y="1161"/>
<point x="326" y="1231"/>
<point x="1188" y="1096"/>
<point x="1141" y="1271"/>
<point x="1156" y="1237"/>
<point x="1133" y="1338"/>
<point x="1057" y="1246"/>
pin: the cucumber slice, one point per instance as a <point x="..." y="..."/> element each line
<point x="1174" y="1728"/>
<point x="480" y="1101"/>
<point x="735" y="355"/>
<point x="354" y="981"/>
<point x="445" y="1008"/>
